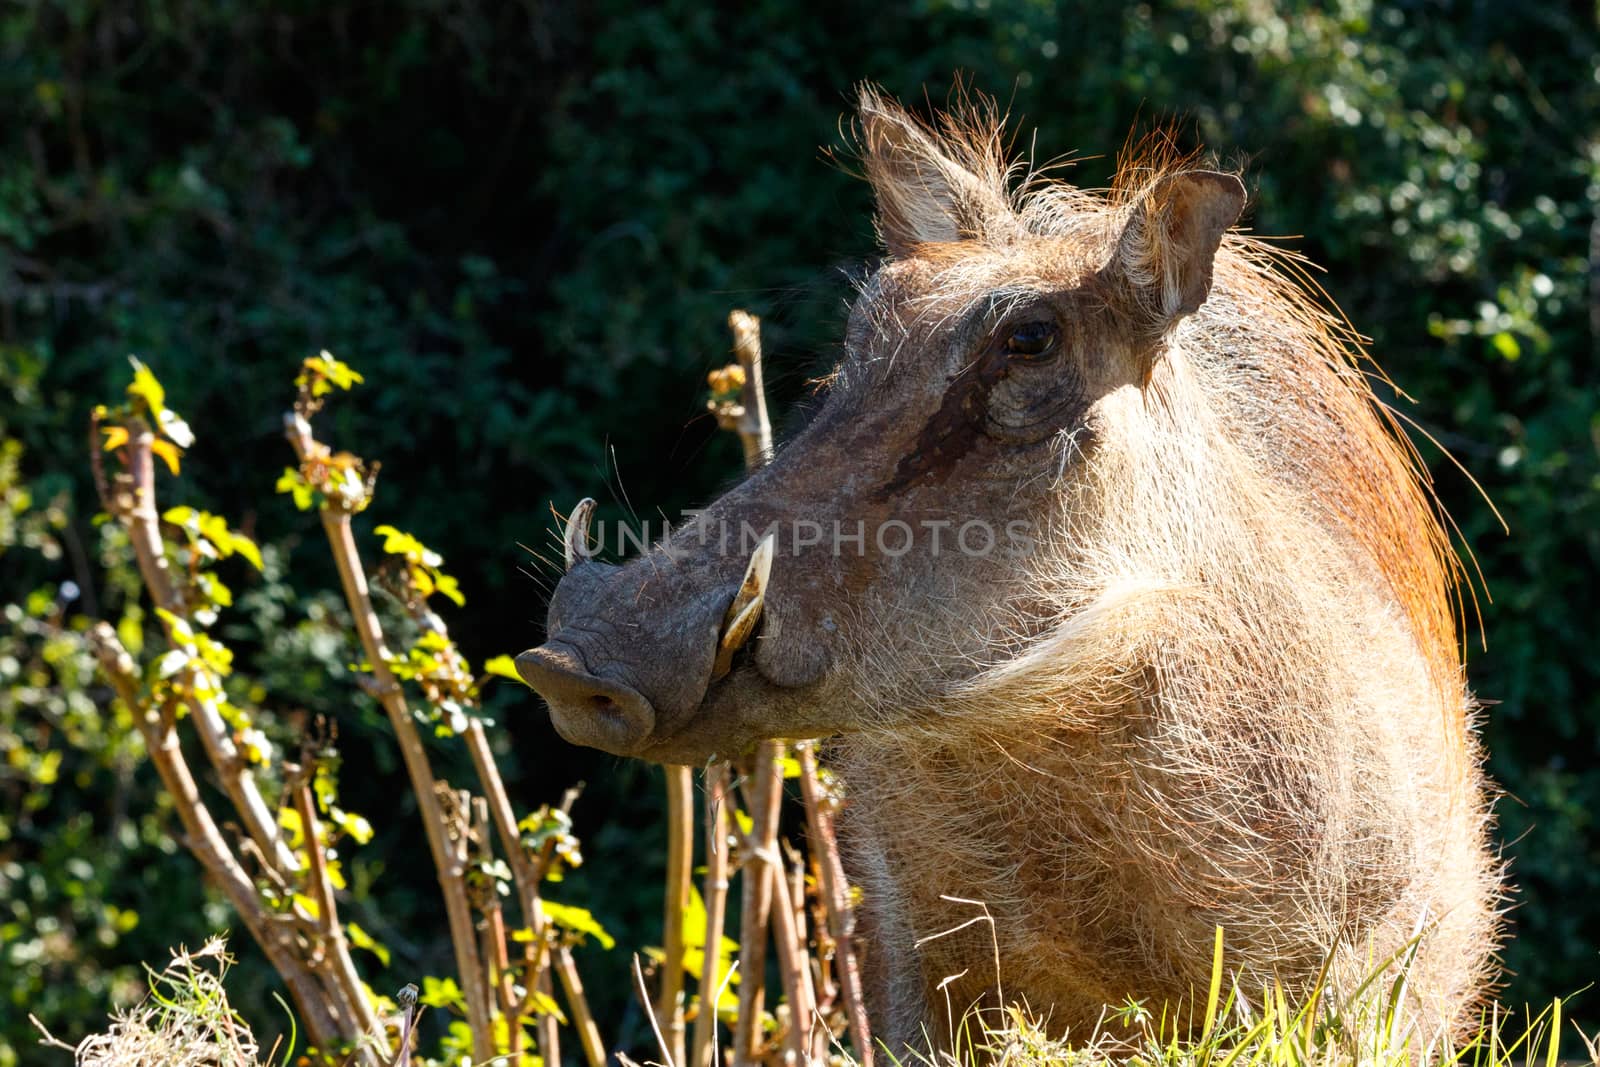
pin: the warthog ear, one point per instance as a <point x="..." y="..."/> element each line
<point x="1163" y="258"/>
<point x="932" y="187"/>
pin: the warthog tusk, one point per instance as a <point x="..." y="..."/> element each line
<point x="745" y="611"/>
<point x="577" y="535"/>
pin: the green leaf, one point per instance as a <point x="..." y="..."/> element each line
<point x="361" y="939"/>
<point x="1506" y="344"/>
<point x="578" y="921"/>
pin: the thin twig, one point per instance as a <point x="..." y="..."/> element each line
<point x="549" y="1025"/>
<point x="346" y="984"/>
<point x="715" y="896"/>
<point x="755" y="430"/>
<point x="680" y="861"/>
<point x="765" y="790"/>
<point x="594" y="1050"/>
<point x="644" y="1000"/>
<point x="763" y="874"/>
<point x="794" y="963"/>
<point x="834" y="891"/>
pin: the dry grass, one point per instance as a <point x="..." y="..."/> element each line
<point x="185" y="1020"/>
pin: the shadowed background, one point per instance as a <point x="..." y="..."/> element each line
<point x="525" y="224"/>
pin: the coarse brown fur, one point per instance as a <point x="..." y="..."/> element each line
<point x="1223" y="689"/>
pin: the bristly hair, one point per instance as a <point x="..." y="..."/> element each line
<point x="1370" y="481"/>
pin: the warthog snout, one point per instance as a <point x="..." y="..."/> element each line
<point x="633" y="652"/>
<point x="586" y="709"/>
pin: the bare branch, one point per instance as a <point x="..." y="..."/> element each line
<point x="447" y="862"/>
<point x="680" y="860"/>
<point x="715" y="895"/>
<point x="835" y="891"/>
<point x="206" y="842"/>
<point x="143" y="526"/>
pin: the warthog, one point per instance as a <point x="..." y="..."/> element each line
<point x="1130" y="611"/>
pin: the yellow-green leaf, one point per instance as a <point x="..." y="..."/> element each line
<point x="579" y="921"/>
<point x="361" y="939"/>
<point x="292" y="482"/>
<point x="357" y="826"/>
<point x="246" y="548"/>
<point x="175" y="428"/>
<point x="145" y="387"/>
<point x="169" y="453"/>
<point x="503" y="667"/>
<point x="448" y="587"/>
<point x="545" y="1004"/>
<point x="442" y="993"/>
<point x="293" y="828"/>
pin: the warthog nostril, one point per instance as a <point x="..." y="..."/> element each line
<point x="587" y="709"/>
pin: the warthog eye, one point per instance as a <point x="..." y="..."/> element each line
<point x="1032" y="339"/>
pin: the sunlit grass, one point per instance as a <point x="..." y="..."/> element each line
<point x="186" y="1021"/>
<point x="1370" y="1027"/>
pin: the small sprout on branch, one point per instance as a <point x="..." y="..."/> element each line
<point x="147" y="392"/>
<point x="727" y="392"/>
<point x="319" y="376"/>
<point x="482" y="874"/>
<point x="551" y="828"/>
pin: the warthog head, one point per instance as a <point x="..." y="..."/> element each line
<point x="884" y="554"/>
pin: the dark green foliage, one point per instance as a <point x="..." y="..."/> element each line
<point x="525" y="223"/>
